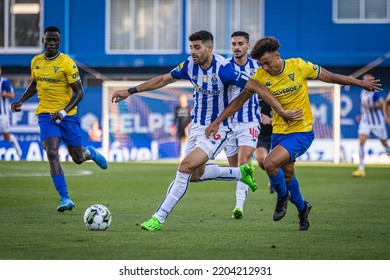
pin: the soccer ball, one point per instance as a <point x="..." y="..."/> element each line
<point x="97" y="217"/>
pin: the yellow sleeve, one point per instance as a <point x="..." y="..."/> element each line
<point x="72" y="72"/>
<point x="309" y="70"/>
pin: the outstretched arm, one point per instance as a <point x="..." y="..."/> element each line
<point x="31" y="90"/>
<point x="154" y="83"/>
<point x="251" y="87"/>
<point x="330" y="77"/>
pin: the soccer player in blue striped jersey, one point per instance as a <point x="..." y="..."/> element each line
<point x="372" y="121"/>
<point x="287" y="79"/>
<point x="246" y="122"/>
<point x="210" y="75"/>
<point x="7" y="93"/>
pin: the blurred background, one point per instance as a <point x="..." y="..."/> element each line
<point x="114" y="41"/>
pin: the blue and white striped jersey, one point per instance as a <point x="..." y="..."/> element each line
<point x="211" y="85"/>
<point x="249" y="112"/>
<point x="5" y="86"/>
<point x="371" y="116"/>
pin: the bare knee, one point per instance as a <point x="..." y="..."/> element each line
<point x="270" y="167"/>
<point x="52" y="154"/>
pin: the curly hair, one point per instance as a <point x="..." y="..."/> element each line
<point x="263" y="46"/>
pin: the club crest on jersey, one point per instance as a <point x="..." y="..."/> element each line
<point x="56" y="69"/>
<point x="205" y="79"/>
<point x="291" y="76"/>
<point x="214" y="79"/>
<point x="252" y="71"/>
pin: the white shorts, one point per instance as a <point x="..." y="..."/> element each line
<point x="213" y="146"/>
<point x="378" y="130"/>
<point x="4" y="124"/>
<point x="245" y="134"/>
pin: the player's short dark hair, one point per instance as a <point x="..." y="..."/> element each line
<point x="203" y="35"/>
<point x="263" y="46"/>
<point x="52" y="29"/>
<point x="240" y="33"/>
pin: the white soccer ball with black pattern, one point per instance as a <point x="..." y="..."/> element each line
<point x="97" y="217"/>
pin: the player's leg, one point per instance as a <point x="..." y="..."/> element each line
<point x="260" y="155"/>
<point x="289" y="147"/>
<point x="360" y="172"/>
<point x="71" y="134"/>
<point x="297" y="145"/>
<point x="272" y="164"/>
<point x="5" y="129"/>
<point x="51" y="146"/>
<point x="213" y="147"/>
<point x="50" y="135"/>
<point x="192" y="162"/>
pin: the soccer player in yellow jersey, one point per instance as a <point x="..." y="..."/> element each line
<point x="54" y="77"/>
<point x="287" y="79"/>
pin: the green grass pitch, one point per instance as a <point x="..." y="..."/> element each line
<point x="350" y="217"/>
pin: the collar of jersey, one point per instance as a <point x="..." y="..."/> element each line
<point x="52" y="58"/>
<point x="284" y="66"/>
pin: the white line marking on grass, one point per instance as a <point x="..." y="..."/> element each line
<point x="37" y="174"/>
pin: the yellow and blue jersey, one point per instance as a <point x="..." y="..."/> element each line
<point x="53" y="77"/>
<point x="290" y="88"/>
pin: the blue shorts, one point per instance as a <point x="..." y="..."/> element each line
<point x="296" y="143"/>
<point x="68" y="130"/>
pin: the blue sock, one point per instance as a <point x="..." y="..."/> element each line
<point x="295" y="193"/>
<point x="279" y="183"/>
<point x="60" y="184"/>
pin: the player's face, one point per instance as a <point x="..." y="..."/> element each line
<point x="51" y="40"/>
<point x="239" y="46"/>
<point x="200" y="52"/>
<point x="271" y="63"/>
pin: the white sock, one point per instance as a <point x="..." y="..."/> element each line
<point x="175" y="192"/>
<point x="361" y="157"/>
<point x="226" y="173"/>
<point x="241" y="193"/>
<point x="15" y="144"/>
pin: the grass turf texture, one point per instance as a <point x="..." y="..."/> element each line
<point x="350" y="217"/>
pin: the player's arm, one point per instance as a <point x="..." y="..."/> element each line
<point x="154" y="83"/>
<point x="288" y="115"/>
<point x="78" y="91"/>
<point x="386" y="109"/>
<point x="30" y="91"/>
<point x="330" y="77"/>
<point x="250" y="88"/>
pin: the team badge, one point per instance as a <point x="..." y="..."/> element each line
<point x="214" y="79"/>
<point x="56" y="69"/>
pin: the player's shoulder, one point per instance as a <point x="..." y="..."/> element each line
<point x="66" y="58"/>
<point x="38" y="57"/>
<point x="220" y="59"/>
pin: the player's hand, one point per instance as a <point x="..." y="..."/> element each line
<point x="372" y="85"/>
<point x="292" y="115"/>
<point x="119" y="95"/>
<point x="265" y="119"/>
<point x="58" y="117"/>
<point x="211" y="130"/>
<point x="16" y="106"/>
